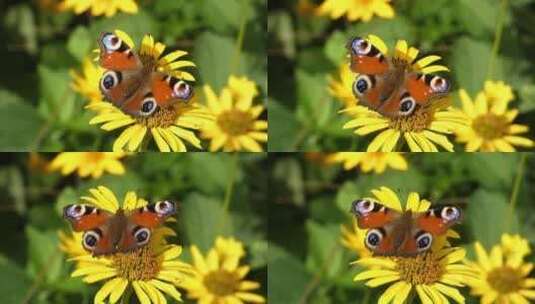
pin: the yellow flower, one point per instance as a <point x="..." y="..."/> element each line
<point x="169" y="127"/>
<point x="218" y="278"/>
<point x="353" y="238"/>
<point x="433" y="275"/>
<point x="368" y="161"/>
<point x="100" y="7"/>
<point x="424" y="129"/>
<point x="92" y="164"/>
<point x="491" y="126"/>
<point x="341" y="86"/>
<point x="356" y="9"/>
<point x="87" y="83"/>
<point x="502" y="277"/>
<point x="236" y="125"/>
<point x="498" y="92"/>
<point x="152" y="270"/>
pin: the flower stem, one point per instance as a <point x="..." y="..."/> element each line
<point x="516" y="188"/>
<point x="497" y="38"/>
<point x="228" y="191"/>
<point x="235" y="63"/>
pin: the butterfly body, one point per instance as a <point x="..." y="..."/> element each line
<point x="132" y="82"/>
<point x="108" y="233"/>
<point x="394" y="233"/>
<point x="388" y="85"/>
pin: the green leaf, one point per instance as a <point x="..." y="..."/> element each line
<point x="214" y="55"/>
<point x="288" y="277"/>
<point x="204" y="219"/>
<point x="227" y="15"/>
<point x="335" y="48"/>
<point x="283" y="128"/>
<point x="14" y="284"/>
<point x="281" y="30"/>
<point x="489" y="217"/>
<point x="346" y="195"/>
<point x="469" y="56"/>
<point x="20" y="19"/>
<point x="478" y="16"/>
<point x="493" y="171"/>
<point x="314" y="105"/>
<point x="44" y="257"/>
<point x="324" y="254"/>
<point x="219" y="166"/>
<point x="20" y="125"/>
<point x="57" y="99"/>
<point x="79" y="43"/>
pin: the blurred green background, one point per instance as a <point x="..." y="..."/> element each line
<point x="38" y="109"/>
<point x="304" y="49"/>
<point x="311" y="200"/>
<point x="33" y="269"/>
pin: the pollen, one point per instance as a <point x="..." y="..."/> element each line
<point x="421" y="269"/>
<point x="162" y="118"/>
<point x="505" y="279"/>
<point x="222" y="282"/>
<point x="417" y="122"/>
<point x="490" y="126"/>
<point x="235" y="122"/>
<point x="138" y="265"/>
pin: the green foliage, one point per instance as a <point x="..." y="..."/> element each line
<point x="306" y="237"/>
<point x="217" y="195"/>
<point x="41" y="47"/>
<point x="307" y="48"/>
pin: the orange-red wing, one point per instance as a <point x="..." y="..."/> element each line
<point x="375" y="219"/>
<point x="363" y="64"/>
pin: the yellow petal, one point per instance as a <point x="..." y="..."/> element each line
<point x="141" y="295"/>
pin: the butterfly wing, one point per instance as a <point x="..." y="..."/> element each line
<point x="437" y="220"/>
<point x="142" y="221"/>
<point x="116" y="55"/>
<point x="385" y="234"/>
<point x="160" y="92"/>
<point x="365" y="58"/>
<point x="85" y="217"/>
<point x="95" y="223"/>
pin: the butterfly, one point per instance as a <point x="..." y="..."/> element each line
<point x="394" y="233"/>
<point x="387" y="85"/>
<point x="133" y="84"/>
<point x="108" y="233"/>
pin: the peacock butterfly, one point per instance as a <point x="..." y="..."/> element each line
<point x="133" y="84"/>
<point x="108" y="233"/>
<point x="408" y="233"/>
<point x="388" y="85"/>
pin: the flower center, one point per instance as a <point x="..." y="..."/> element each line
<point x="422" y="269"/>
<point x="490" y="126"/>
<point x="162" y="117"/>
<point x="235" y="122"/>
<point x="505" y="279"/>
<point x="93" y="157"/>
<point x="221" y="282"/>
<point x="138" y="265"/>
<point x="416" y="122"/>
